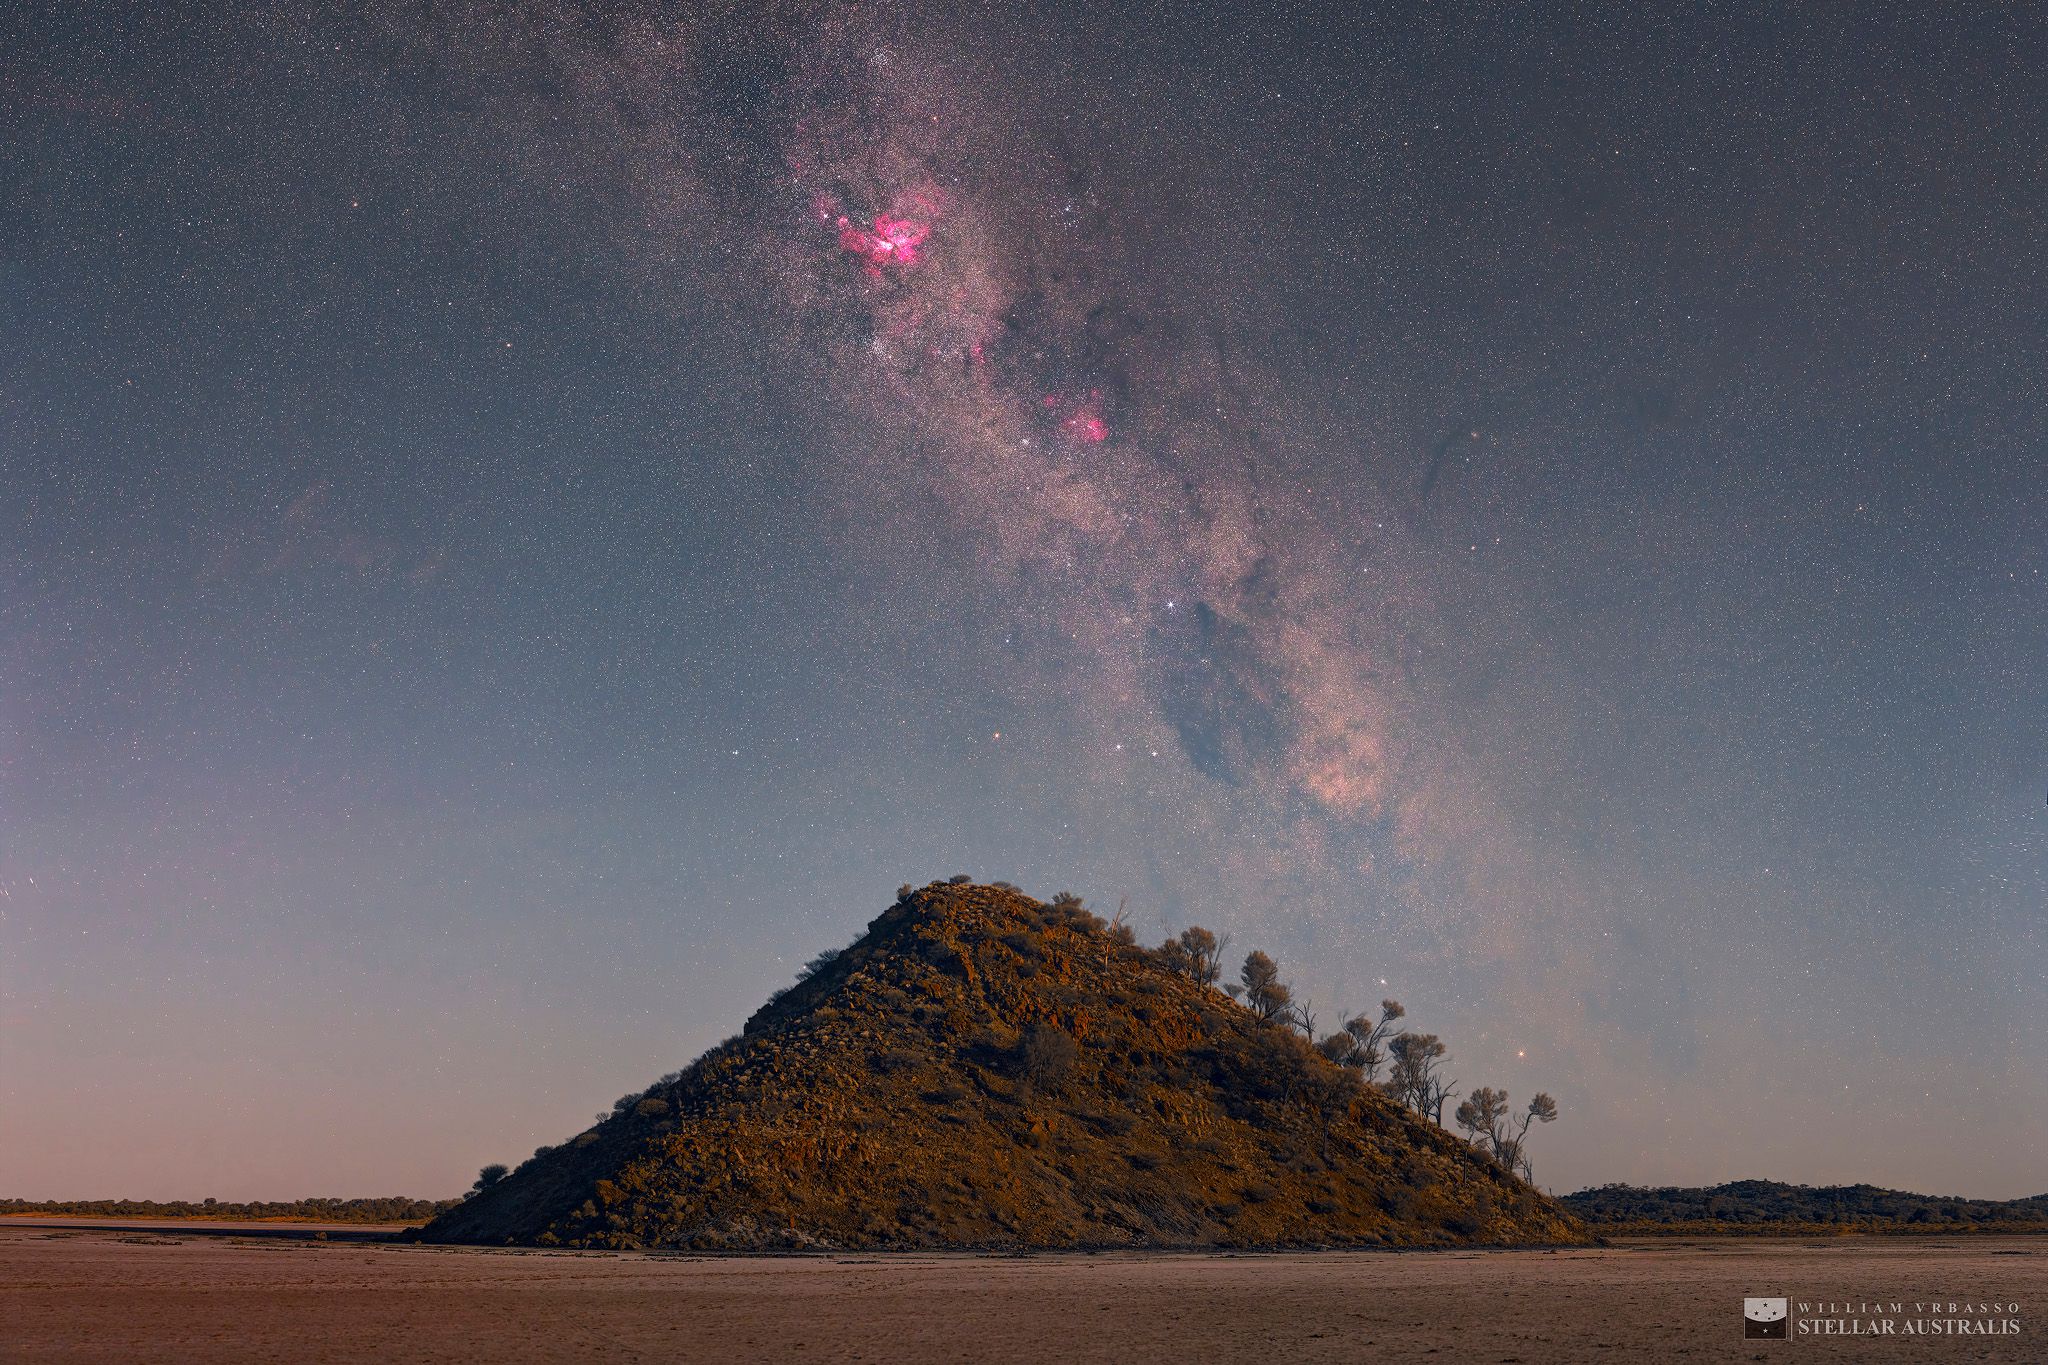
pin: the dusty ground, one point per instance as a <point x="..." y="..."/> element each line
<point x="72" y="1294"/>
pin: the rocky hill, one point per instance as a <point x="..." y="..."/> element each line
<point x="983" y="1070"/>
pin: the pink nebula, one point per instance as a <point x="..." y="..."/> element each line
<point x="1085" y="422"/>
<point x="892" y="241"/>
<point x="1087" y="428"/>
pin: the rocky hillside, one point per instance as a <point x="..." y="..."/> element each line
<point x="984" y="1070"/>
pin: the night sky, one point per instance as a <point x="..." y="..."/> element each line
<point x="517" y="531"/>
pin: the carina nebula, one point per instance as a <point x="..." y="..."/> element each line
<point x="550" y="513"/>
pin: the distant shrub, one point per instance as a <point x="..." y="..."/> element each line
<point x="1331" y="1092"/>
<point x="1111" y="1123"/>
<point x="1046" y="1055"/>
<point x="1270" y="1065"/>
<point x="959" y="879"/>
<point x="894" y="1060"/>
<point x="1023" y="944"/>
<point x="1197" y="954"/>
<point x="1473" y="1221"/>
<point x="946" y="958"/>
<point x="1069" y="909"/>
<point x="1264" y="991"/>
<point x="490" y="1175"/>
<point x="651" y="1108"/>
<point x="818" y="964"/>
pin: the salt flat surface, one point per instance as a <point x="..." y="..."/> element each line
<point x="74" y="1294"/>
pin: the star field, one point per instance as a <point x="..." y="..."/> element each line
<point x="523" y="527"/>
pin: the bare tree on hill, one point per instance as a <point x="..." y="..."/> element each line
<point x="1197" y="954"/>
<point x="1358" y="1044"/>
<point x="1415" y="1080"/>
<point x="1487" y="1122"/>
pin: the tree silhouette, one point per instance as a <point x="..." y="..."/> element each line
<point x="1414" y="1080"/>
<point x="1197" y="954"/>
<point x="1269" y="996"/>
<point x="1486" y="1119"/>
<point x="1205" y="953"/>
<point x="1358" y="1045"/>
<point x="1484" y="1116"/>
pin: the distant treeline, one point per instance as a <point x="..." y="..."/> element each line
<point x="392" y="1209"/>
<point x="1766" y="1205"/>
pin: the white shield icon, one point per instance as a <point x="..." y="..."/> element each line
<point x="1764" y="1317"/>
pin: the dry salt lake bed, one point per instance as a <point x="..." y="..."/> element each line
<point x="180" y="1292"/>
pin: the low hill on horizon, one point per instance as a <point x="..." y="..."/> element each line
<point x="983" y="1070"/>
<point x="1755" y="1204"/>
<point x="395" y="1208"/>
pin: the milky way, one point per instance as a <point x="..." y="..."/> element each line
<point x="971" y="285"/>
